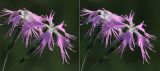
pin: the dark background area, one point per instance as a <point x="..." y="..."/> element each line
<point x="145" y="10"/>
<point x="66" y="10"/>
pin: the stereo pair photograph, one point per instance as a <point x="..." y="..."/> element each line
<point x="79" y="35"/>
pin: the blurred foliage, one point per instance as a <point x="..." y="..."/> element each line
<point x="145" y="10"/>
<point x="66" y="10"/>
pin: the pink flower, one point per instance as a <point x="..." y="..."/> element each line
<point x="141" y="36"/>
<point x="45" y="39"/>
<point x="64" y="44"/>
<point x="111" y="24"/>
<point x="62" y="41"/>
<point x="13" y="20"/>
<point x="122" y="28"/>
<point x="33" y="27"/>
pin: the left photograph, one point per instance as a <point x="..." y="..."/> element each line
<point x="39" y="35"/>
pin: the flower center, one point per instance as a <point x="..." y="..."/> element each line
<point x="105" y="15"/>
<point x="24" y="14"/>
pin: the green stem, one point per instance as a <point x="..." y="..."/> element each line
<point x="91" y="44"/>
<point x="10" y="48"/>
<point x="5" y="61"/>
<point x="110" y="50"/>
<point x="88" y="49"/>
<point x="84" y="60"/>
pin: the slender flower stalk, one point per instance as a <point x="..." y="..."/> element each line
<point x="10" y="47"/>
<point x="5" y="61"/>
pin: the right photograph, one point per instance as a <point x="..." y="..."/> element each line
<point x="119" y="35"/>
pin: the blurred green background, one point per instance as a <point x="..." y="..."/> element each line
<point x="145" y="10"/>
<point x="66" y="10"/>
